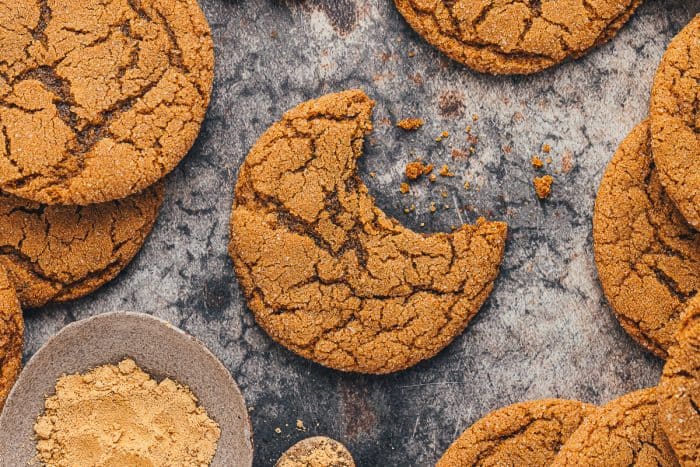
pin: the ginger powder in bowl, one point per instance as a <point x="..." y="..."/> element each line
<point x="119" y="415"/>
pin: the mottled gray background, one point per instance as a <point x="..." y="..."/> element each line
<point x="546" y="331"/>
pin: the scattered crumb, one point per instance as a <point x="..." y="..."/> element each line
<point x="445" y="171"/>
<point x="427" y="168"/>
<point x="422" y="224"/>
<point x="459" y="154"/>
<point x="468" y="129"/>
<point x="414" y="170"/>
<point x="543" y="186"/>
<point x="546" y="148"/>
<point x="410" y="124"/>
<point x="433" y="177"/>
<point x="445" y="134"/>
<point x="406" y="210"/>
<point x="432" y="207"/>
<point x="466" y="185"/>
<point x="537" y="162"/>
<point x="278" y="430"/>
<point x="548" y="160"/>
<point x="273" y="34"/>
<point x="411" y="53"/>
<point x="475" y="117"/>
<point x="567" y="161"/>
<point x="300" y="426"/>
<point x="447" y="206"/>
<point x="373" y="174"/>
<point x="444" y="194"/>
<point x="472" y="150"/>
<point x="404" y="188"/>
<point x="413" y="207"/>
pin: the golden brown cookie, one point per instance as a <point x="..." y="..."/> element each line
<point x="11" y="336"/>
<point x="330" y="276"/>
<point x="679" y="389"/>
<point x="98" y="100"/>
<point x="60" y="253"/>
<point x="317" y="451"/>
<point x="515" y="36"/>
<point x="648" y="258"/>
<point x="624" y="432"/>
<point x="524" y="434"/>
<point x="675" y="121"/>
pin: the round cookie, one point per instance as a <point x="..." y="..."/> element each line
<point x="527" y="433"/>
<point x="679" y="389"/>
<point x="624" y="432"/>
<point x="11" y="336"/>
<point x="60" y="253"/>
<point x="675" y="121"/>
<point x="99" y="99"/>
<point x="330" y="276"/>
<point x="648" y="258"/>
<point x="317" y="451"/>
<point x="515" y="37"/>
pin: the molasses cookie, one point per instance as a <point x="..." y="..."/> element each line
<point x="11" y="336"/>
<point x="679" y="389"/>
<point x="318" y="451"/>
<point x="675" y="121"/>
<point x="99" y="100"/>
<point x="326" y="273"/>
<point x="624" y="432"/>
<point x="60" y="253"/>
<point x="528" y="433"/>
<point x="648" y="257"/>
<point x="516" y="37"/>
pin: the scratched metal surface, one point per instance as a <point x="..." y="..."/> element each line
<point x="546" y="330"/>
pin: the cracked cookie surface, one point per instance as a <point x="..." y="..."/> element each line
<point x="675" y="121"/>
<point x="679" y="389"/>
<point x="527" y="433"/>
<point x="317" y="451"/>
<point x="624" y="432"/>
<point x="326" y="273"/>
<point x="60" y="253"/>
<point x="11" y="336"/>
<point x="99" y="99"/>
<point x="648" y="257"/>
<point x="515" y="36"/>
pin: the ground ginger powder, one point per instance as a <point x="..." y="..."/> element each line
<point x="118" y="416"/>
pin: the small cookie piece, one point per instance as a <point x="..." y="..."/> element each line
<point x="99" y="100"/>
<point x="624" y="432"/>
<point x="317" y="451"/>
<point x="515" y="37"/>
<point x="326" y="273"/>
<point x="11" y="336"/>
<point x="60" y="253"/>
<point x="648" y="258"/>
<point x="679" y="389"/>
<point x="527" y="433"/>
<point x="543" y="186"/>
<point x="675" y="121"/>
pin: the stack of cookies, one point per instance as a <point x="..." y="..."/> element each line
<point x="98" y="102"/>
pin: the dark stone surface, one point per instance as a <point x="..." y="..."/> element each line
<point x="546" y="331"/>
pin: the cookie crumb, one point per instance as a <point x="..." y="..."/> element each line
<point x="278" y="430"/>
<point x="445" y="171"/>
<point x="404" y="188"/>
<point x="537" y="162"/>
<point x="410" y="124"/>
<point x="411" y="53"/>
<point x="300" y="425"/>
<point x="475" y="117"/>
<point x="444" y="194"/>
<point x="414" y="170"/>
<point x="433" y="208"/>
<point x="543" y="186"/>
<point x="459" y="154"/>
<point x="373" y="174"/>
<point x="432" y="177"/>
<point x="546" y="148"/>
<point x="466" y="185"/>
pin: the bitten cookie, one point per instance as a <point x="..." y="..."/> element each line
<point x="11" y="336"/>
<point x="624" y="432"/>
<point x="527" y="434"/>
<point x="679" y="389"/>
<point x="330" y="276"/>
<point x="516" y="37"/>
<point x="648" y="258"/>
<point x="675" y="121"/>
<point x="99" y="100"/>
<point x="317" y="451"/>
<point x="60" y="253"/>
